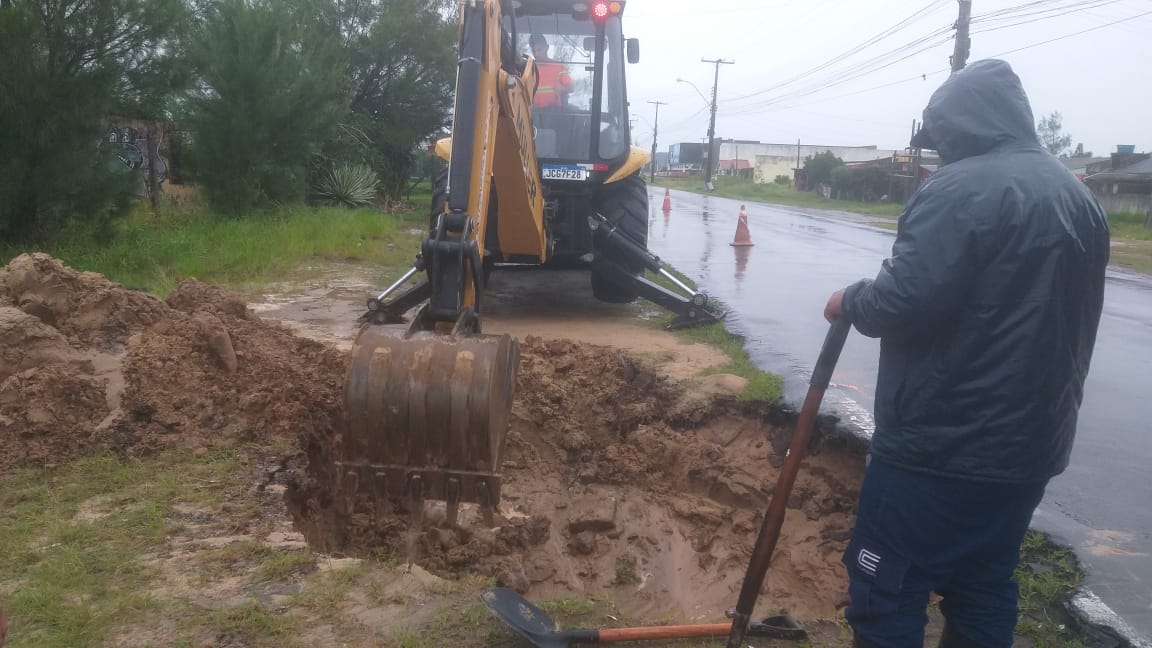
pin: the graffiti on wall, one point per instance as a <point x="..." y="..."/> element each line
<point x="130" y="150"/>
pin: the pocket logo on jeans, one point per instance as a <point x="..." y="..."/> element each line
<point x="868" y="561"/>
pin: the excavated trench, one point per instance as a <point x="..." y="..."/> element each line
<point x="618" y="480"/>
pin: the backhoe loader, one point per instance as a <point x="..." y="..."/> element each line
<point x="540" y="172"/>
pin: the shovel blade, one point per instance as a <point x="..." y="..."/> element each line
<point x="526" y="619"/>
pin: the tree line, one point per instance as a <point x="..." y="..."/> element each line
<point x="269" y="100"/>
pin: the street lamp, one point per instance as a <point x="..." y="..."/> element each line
<point x="679" y="80"/>
<point x="712" y="121"/>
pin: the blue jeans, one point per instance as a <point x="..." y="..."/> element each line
<point x="918" y="533"/>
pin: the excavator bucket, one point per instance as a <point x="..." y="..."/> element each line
<point x="426" y="417"/>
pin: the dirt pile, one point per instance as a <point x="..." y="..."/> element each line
<point x="86" y="363"/>
<point x="614" y="481"/>
<point x="84" y="306"/>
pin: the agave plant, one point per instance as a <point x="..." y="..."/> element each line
<point x="351" y="185"/>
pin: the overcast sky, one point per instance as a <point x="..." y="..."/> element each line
<point x="1100" y="80"/>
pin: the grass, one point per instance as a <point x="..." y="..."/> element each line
<point x="282" y="564"/>
<point x="762" y="386"/>
<point x="458" y="624"/>
<point x="1131" y="242"/>
<point x="1048" y="574"/>
<point x="71" y="540"/>
<point x="326" y="591"/>
<point x="252" y="624"/>
<point x="741" y="189"/>
<point x="154" y="252"/>
<point x="1129" y="227"/>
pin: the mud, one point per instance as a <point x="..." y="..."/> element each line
<point x="618" y="478"/>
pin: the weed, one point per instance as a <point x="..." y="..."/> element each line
<point x="282" y="564"/>
<point x="324" y="592"/>
<point x="573" y="607"/>
<point x="71" y="539"/>
<point x="348" y="185"/>
<point x="1047" y="575"/>
<point x="155" y="253"/>
<point x="252" y="623"/>
<point x="456" y="625"/>
<point x="626" y="571"/>
<point x="667" y="283"/>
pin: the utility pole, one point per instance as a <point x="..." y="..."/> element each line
<point x="963" y="44"/>
<point x="711" y="165"/>
<point x="655" y="132"/>
<point x="796" y="176"/>
<point x="915" y="160"/>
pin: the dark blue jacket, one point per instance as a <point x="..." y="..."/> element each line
<point x="988" y="308"/>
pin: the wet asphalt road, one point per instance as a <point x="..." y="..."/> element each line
<point x="776" y="290"/>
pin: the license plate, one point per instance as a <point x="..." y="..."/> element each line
<point x="565" y="173"/>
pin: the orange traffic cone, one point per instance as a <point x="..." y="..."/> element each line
<point x="667" y="200"/>
<point x="743" y="236"/>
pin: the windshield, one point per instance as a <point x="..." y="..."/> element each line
<point x="565" y="105"/>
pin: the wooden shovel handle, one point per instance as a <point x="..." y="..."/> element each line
<point x="665" y="632"/>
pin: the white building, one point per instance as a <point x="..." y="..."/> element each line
<point x="771" y="160"/>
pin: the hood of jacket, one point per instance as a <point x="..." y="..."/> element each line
<point x="977" y="110"/>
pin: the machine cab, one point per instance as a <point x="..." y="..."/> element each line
<point x="580" y="109"/>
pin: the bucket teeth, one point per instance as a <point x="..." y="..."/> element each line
<point x="426" y="416"/>
<point x="487" y="503"/>
<point x="379" y="485"/>
<point x="452" y="500"/>
<point x="416" y="487"/>
<point x="348" y="493"/>
<point x="415" y="494"/>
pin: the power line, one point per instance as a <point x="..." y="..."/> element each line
<point x="924" y="76"/>
<point x="844" y="55"/>
<point x="1065" y="11"/>
<point x="692" y="117"/>
<point x="1082" y="31"/>
<point x="1027" y="7"/>
<point x="860" y="69"/>
<point x="824" y="85"/>
<point x="878" y="64"/>
<point x="904" y="52"/>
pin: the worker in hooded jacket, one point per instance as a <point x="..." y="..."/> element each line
<point x="987" y="312"/>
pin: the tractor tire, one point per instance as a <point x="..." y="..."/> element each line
<point x="625" y="204"/>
